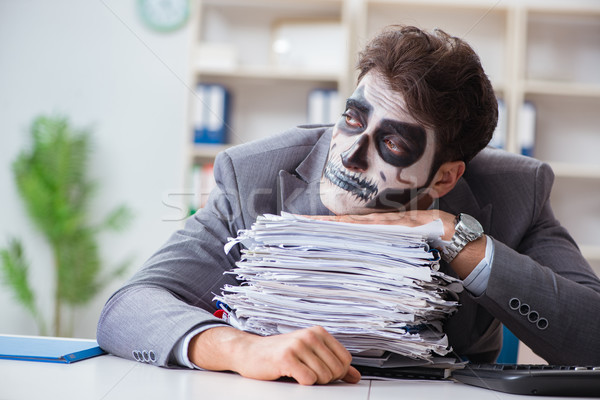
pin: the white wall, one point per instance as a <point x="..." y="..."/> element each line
<point x="94" y="62"/>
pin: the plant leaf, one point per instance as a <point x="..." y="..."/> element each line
<point x="15" y="274"/>
<point x="118" y="219"/>
<point x="78" y="265"/>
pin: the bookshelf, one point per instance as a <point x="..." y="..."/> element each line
<point x="559" y="74"/>
<point x="543" y="52"/>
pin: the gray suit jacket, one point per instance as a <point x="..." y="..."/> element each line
<point x="540" y="286"/>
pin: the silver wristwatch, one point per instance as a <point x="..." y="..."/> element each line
<point x="467" y="229"/>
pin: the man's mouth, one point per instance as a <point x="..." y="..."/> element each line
<point x="363" y="189"/>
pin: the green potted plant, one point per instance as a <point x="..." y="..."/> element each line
<point x="52" y="180"/>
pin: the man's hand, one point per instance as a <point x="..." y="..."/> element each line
<point x="309" y="355"/>
<point x="464" y="263"/>
<point x="408" y="218"/>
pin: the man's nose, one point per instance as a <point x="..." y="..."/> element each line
<point x="355" y="158"/>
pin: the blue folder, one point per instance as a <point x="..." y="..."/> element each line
<point x="211" y="114"/>
<point x="47" y="349"/>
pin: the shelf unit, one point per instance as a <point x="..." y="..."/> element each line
<point x="542" y="51"/>
<point x="559" y="74"/>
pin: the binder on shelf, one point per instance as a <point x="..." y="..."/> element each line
<point x="211" y="113"/>
<point x="323" y="106"/>
<point x="499" y="138"/>
<point x="47" y="349"/>
<point x="526" y="129"/>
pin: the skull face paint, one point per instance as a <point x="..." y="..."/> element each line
<point x="380" y="158"/>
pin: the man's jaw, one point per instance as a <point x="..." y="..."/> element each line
<point x="369" y="197"/>
<point x="364" y="190"/>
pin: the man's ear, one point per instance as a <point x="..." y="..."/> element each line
<point x="446" y="178"/>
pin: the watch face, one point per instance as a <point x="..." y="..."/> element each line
<point x="472" y="226"/>
<point x="164" y="15"/>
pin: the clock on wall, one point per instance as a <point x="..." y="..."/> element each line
<point x="164" y="15"/>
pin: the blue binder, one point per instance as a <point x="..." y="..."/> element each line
<point x="527" y="117"/>
<point x="211" y="114"/>
<point x="47" y="349"/>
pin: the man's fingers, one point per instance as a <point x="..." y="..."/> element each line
<point x="321" y="370"/>
<point x="312" y="350"/>
<point x="314" y="370"/>
<point x="339" y="356"/>
<point x="323" y="354"/>
<point x="301" y="372"/>
<point x="374" y="218"/>
<point x="406" y="218"/>
<point x="338" y="360"/>
<point x="310" y="356"/>
<point x="337" y="348"/>
<point x="351" y="218"/>
<point x="352" y="376"/>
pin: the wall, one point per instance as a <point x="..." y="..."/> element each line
<point x="94" y="62"/>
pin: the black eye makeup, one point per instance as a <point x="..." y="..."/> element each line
<point x="399" y="143"/>
<point x="352" y="119"/>
<point x="357" y="111"/>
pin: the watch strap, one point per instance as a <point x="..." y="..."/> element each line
<point x="458" y="242"/>
<point x="462" y="236"/>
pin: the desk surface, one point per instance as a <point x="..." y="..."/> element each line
<point x="108" y="378"/>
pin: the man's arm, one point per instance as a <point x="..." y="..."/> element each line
<point x="463" y="264"/>
<point x="171" y="296"/>
<point x="309" y="355"/>
<point x="173" y="292"/>
<point x="542" y="288"/>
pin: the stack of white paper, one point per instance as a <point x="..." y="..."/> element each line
<point x="376" y="288"/>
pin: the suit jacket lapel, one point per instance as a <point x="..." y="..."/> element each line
<point x="299" y="192"/>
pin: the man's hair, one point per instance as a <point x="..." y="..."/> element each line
<point x="443" y="85"/>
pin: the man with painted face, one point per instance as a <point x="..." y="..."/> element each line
<point x="409" y="148"/>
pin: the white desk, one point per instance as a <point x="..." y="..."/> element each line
<point x="109" y="378"/>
